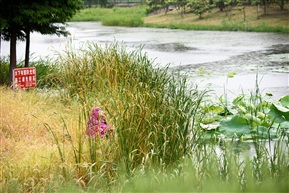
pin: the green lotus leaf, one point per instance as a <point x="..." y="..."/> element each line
<point x="285" y="125"/>
<point x="278" y="113"/>
<point x="285" y="101"/>
<point x="237" y="126"/>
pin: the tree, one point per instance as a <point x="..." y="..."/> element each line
<point x="261" y="2"/>
<point x="220" y="4"/>
<point x="10" y="30"/>
<point x="182" y="4"/>
<point x="37" y="23"/>
<point x="223" y="4"/>
<point x="281" y="3"/>
<point x="21" y="17"/>
<point x="199" y="6"/>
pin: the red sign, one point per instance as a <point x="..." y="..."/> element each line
<point x="24" y="77"/>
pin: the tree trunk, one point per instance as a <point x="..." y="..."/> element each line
<point x="27" y="48"/>
<point x="265" y="6"/>
<point x="12" y="56"/>
<point x="0" y="45"/>
<point x="244" y="13"/>
<point x="1" y="75"/>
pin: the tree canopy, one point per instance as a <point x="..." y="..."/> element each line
<point x="20" y="17"/>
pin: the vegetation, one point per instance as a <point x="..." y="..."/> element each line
<point x="20" y="18"/>
<point x="109" y="120"/>
<point x="150" y="131"/>
<point x="218" y="16"/>
<point x="232" y="20"/>
<point x="129" y="16"/>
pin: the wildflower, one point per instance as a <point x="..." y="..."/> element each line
<point x="97" y="124"/>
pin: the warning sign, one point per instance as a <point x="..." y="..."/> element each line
<point x="24" y="77"/>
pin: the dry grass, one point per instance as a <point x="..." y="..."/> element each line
<point x="23" y="137"/>
<point x="274" y="17"/>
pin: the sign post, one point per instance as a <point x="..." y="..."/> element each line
<point x="24" y="78"/>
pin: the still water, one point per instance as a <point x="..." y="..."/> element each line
<point x="205" y="56"/>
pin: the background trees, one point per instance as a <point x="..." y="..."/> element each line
<point x="21" y="17"/>
<point x="199" y="7"/>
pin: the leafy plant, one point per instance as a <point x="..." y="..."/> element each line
<point x="279" y="114"/>
<point x="247" y="117"/>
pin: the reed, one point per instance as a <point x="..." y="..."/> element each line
<point x="123" y="20"/>
<point x="130" y="17"/>
<point x="153" y="114"/>
<point x="210" y="169"/>
<point x="155" y="142"/>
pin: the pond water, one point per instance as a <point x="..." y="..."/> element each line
<point x="205" y="56"/>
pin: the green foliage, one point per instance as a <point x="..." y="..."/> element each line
<point x="45" y="74"/>
<point x="235" y="127"/>
<point x="199" y="6"/>
<point x="281" y="3"/>
<point x="124" y="20"/>
<point x="130" y="17"/>
<point x="224" y="4"/>
<point x="23" y="17"/>
<point x="4" y="71"/>
<point x="247" y="117"/>
<point x="279" y="114"/>
<point x="159" y="142"/>
<point x="152" y="112"/>
<point x="227" y="169"/>
<point x="43" y="17"/>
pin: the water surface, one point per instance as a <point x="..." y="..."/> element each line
<point x="205" y="56"/>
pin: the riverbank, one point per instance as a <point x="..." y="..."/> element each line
<point x="247" y="19"/>
<point x="150" y="133"/>
<point x="234" y="19"/>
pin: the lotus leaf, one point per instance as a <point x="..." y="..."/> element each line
<point x="278" y="113"/>
<point x="237" y="126"/>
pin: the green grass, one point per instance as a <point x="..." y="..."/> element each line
<point x="4" y="71"/>
<point x="226" y="27"/>
<point x="208" y="171"/>
<point x="130" y="17"/>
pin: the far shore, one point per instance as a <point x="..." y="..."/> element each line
<point x="233" y="19"/>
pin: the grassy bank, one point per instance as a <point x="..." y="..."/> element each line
<point x="233" y="19"/>
<point x="152" y="132"/>
<point x="248" y="19"/>
<point x="130" y="17"/>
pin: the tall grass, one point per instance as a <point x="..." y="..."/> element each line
<point x="209" y="169"/>
<point x="152" y="113"/>
<point x="156" y="144"/>
<point x="130" y="17"/>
